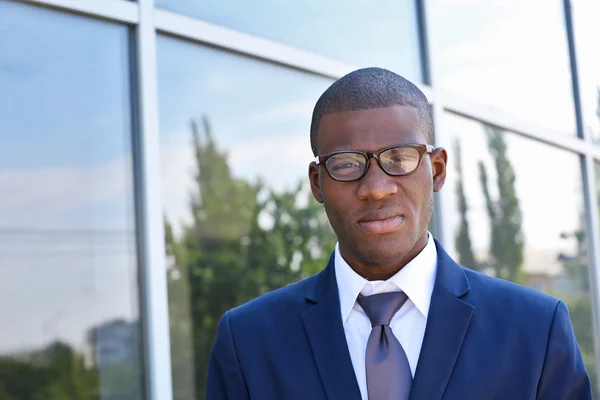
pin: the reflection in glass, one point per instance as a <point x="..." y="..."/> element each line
<point x="521" y="223"/>
<point x="68" y="287"/>
<point x="490" y="53"/>
<point x="587" y="32"/>
<point x="240" y="218"/>
<point x="598" y="184"/>
<point x="380" y="33"/>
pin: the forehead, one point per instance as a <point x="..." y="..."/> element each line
<point x="370" y="129"/>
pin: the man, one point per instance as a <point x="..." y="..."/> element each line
<point x="391" y="316"/>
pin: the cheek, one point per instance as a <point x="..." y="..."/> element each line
<point x="426" y="204"/>
<point x="420" y="197"/>
<point x="338" y="204"/>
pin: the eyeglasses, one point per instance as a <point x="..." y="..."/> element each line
<point x="352" y="165"/>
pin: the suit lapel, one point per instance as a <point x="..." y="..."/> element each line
<point x="447" y="324"/>
<point x="323" y="324"/>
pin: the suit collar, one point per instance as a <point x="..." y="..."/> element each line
<point x="416" y="279"/>
<point x="323" y="325"/>
<point x="447" y="324"/>
<point x="450" y="275"/>
<point x="449" y="319"/>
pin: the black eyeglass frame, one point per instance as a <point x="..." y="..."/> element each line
<point x="421" y="148"/>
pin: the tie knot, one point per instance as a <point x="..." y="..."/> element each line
<point x="380" y="308"/>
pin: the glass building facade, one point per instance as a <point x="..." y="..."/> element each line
<point x="154" y="156"/>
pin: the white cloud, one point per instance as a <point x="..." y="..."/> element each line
<point x="65" y="297"/>
<point x="73" y="280"/>
<point x="511" y="64"/>
<point x="587" y="31"/>
<point x="41" y="197"/>
<point x="284" y="112"/>
<point x="281" y="161"/>
<point x="548" y="186"/>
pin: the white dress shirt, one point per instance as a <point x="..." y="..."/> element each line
<point x="416" y="279"/>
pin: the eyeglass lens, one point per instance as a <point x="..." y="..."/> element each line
<point x="395" y="161"/>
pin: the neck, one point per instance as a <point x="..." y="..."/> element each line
<point x="372" y="270"/>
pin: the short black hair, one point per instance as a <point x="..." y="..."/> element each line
<point x="369" y="88"/>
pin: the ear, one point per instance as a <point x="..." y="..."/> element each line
<point x="439" y="162"/>
<point x="315" y="183"/>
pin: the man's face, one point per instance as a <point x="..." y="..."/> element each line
<point x="380" y="220"/>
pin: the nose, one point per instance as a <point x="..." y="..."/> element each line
<point x="376" y="184"/>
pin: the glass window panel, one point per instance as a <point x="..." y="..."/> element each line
<point x="598" y="185"/>
<point x="587" y="32"/>
<point x="240" y="217"/>
<point x="540" y="236"/>
<point x="68" y="269"/>
<point x="379" y="33"/>
<point x="509" y="54"/>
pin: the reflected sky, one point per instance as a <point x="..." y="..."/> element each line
<point x="379" y="33"/>
<point x="548" y="186"/>
<point x="587" y="34"/>
<point x="259" y="112"/>
<point x="598" y="185"/>
<point x="508" y="54"/>
<point x="67" y="239"/>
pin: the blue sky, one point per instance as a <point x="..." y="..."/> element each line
<point x="508" y="54"/>
<point x="67" y="249"/>
<point x="260" y="113"/>
<point x="379" y="33"/>
<point x="69" y="86"/>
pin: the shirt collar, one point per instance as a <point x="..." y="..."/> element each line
<point x="416" y="279"/>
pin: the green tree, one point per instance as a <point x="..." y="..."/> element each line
<point x="56" y="372"/>
<point x="464" y="246"/>
<point x="506" y="241"/>
<point x="244" y="240"/>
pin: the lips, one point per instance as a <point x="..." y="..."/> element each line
<point x="379" y="224"/>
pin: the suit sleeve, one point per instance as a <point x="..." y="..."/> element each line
<point x="225" y="379"/>
<point x="564" y="376"/>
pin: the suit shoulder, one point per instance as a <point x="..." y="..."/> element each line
<point x="509" y="295"/>
<point x="292" y="295"/>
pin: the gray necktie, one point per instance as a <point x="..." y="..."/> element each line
<point x="388" y="370"/>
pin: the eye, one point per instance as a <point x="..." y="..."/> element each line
<point x="400" y="156"/>
<point x="398" y="159"/>
<point x="345" y="162"/>
<point x="345" y="165"/>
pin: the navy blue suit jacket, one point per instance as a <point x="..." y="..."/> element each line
<point x="485" y="339"/>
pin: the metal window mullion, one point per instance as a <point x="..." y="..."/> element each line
<point x="444" y="203"/>
<point x="153" y="274"/>
<point x="110" y="10"/>
<point x="443" y="200"/>
<point x="423" y="38"/>
<point x="504" y="120"/>
<point x="573" y="68"/>
<point x="244" y="43"/>
<point x="593" y="235"/>
<point x="588" y="173"/>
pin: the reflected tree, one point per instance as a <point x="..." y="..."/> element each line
<point x="576" y="292"/>
<point x="464" y="246"/>
<point x="506" y="241"/>
<point x="56" y="372"/>
<point x="107" y="369"/>
<point x="244" y="240"/>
